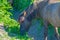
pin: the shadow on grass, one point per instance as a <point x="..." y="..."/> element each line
<point x="14" y="32"/>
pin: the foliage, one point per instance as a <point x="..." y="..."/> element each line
<point x="9" y="23"/>
<point x="5" y="14"/>
<point x="22" y="4"/>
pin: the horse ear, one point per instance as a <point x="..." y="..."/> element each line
<point x="24" y="13"/>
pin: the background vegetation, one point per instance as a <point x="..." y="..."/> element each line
<point x="21" y="4"/>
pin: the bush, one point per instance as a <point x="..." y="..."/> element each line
<point x="5" y="16"/>
<point x="21" y="4"/>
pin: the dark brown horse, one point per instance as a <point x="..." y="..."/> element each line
<point x="51" y="14"/>
<point x="31" y="12"/>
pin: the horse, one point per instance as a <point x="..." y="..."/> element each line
<point x="51" y="15"/>
<point x="31" y="12"/>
